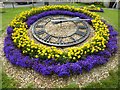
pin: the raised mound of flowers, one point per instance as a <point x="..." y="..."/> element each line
<point x="20" y="50"/>
<point x="93" y="8"/>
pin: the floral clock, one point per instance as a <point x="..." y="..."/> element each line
<point x="59" y="57"/>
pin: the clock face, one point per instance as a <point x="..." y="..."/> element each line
<point x="60" y="30"/>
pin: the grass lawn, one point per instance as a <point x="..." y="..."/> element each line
<point x="111" y="82"/>
<point x="83" y="4"/>
<point x="9" y="14"/>
<point x="110" y="15"/>
<point x="8" y="82"/>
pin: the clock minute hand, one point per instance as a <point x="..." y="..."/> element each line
<point x="64" y="20"/>
<point x="77" y="19"/>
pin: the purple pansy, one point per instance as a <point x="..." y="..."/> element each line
<point x="9" y="30"/>
<point x="63" y="70"/>
<point x="31" y="20"/>
<point x="76" y="68"/>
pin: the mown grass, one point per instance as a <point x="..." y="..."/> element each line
<point x="9" y="14"/>
<point x="30" y="85"/>
<point x="111" y="82"/>
<point x="83" y="4"/>
<point x="110" y="15"/>
<point x="8" y="82"/>
<point x="72" y="85"/>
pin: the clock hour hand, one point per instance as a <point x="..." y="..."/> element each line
<point x="76" y="19"/>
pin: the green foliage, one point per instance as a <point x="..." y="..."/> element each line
<point x="30" y="85"/>
<point x="99" y="4"/>
<point x="72" y="85"/>
<point x="112" y="17"/>
<point x="110" y="82"/>
<point x="8" y="15"/>
<point x="8" y="82"/>
<point x="88" y="4"/>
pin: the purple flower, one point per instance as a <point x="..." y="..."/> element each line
<point x="112" y="45"/>
<point x="63" y="73"/>
<point x="110" y="28"/>
<point x="8" y="49"/>
<point x="113" y="48"/>
<point x="35" y="59"/>
<point x="9" y="30"/>
<point x="113" y="33"/>
<point x="113" y="39"/>
<point x="49" y="62"/>
<point x="87" y="66"/>
<point x="21" y="62"/>
<point x="12" y="59"/>
<point x="46" y="70"/>
<point x="34" y="18"/>
<point x="37" y="67"/>
<point x="63" y="70"/>
<point x="8" y="43"/>
<point x="102" y="60"/>
<point x="76" y="68"/>
<point x="104" y="53"/>
<point x="30" y="22"/>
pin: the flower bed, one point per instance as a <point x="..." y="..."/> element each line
<point x="21" y="39"/>
<point x="101" y="10"/>
<point x="92" y="8"/>
<point x="48" y="60"/>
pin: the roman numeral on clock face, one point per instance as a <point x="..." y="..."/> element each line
<point x="42" y="33"/>
<point x="78" y="32"/>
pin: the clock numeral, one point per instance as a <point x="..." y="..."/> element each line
<point x="40" y="32"/>
<point x="72" y="38"/>
<point x="40" y="26"/>
<point x="60" y="40"/>
<point x="47" y="38"/>
<point x="81" y="27"/>
<point x="80" y="33"/>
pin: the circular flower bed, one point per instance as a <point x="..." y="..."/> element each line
<point x="22" y="51"/>
<point x="93" y="8"/>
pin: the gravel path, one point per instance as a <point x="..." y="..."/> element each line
<point x="25" y="76"/>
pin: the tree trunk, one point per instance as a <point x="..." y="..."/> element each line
<point x="13" y="5"/>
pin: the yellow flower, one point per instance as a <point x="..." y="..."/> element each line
<point x="49" y="57"/>
<point x="45" y="53"/>
<point x="57" y="56"/>
<point x="52" y="56"/>
<point x="74" y="58"/>
<point x="79" y="56"/>
<point x="36" y="56"/>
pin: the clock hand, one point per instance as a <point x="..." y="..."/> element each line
<point x="64" y="20"/>
<point x="77" y="19"/>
